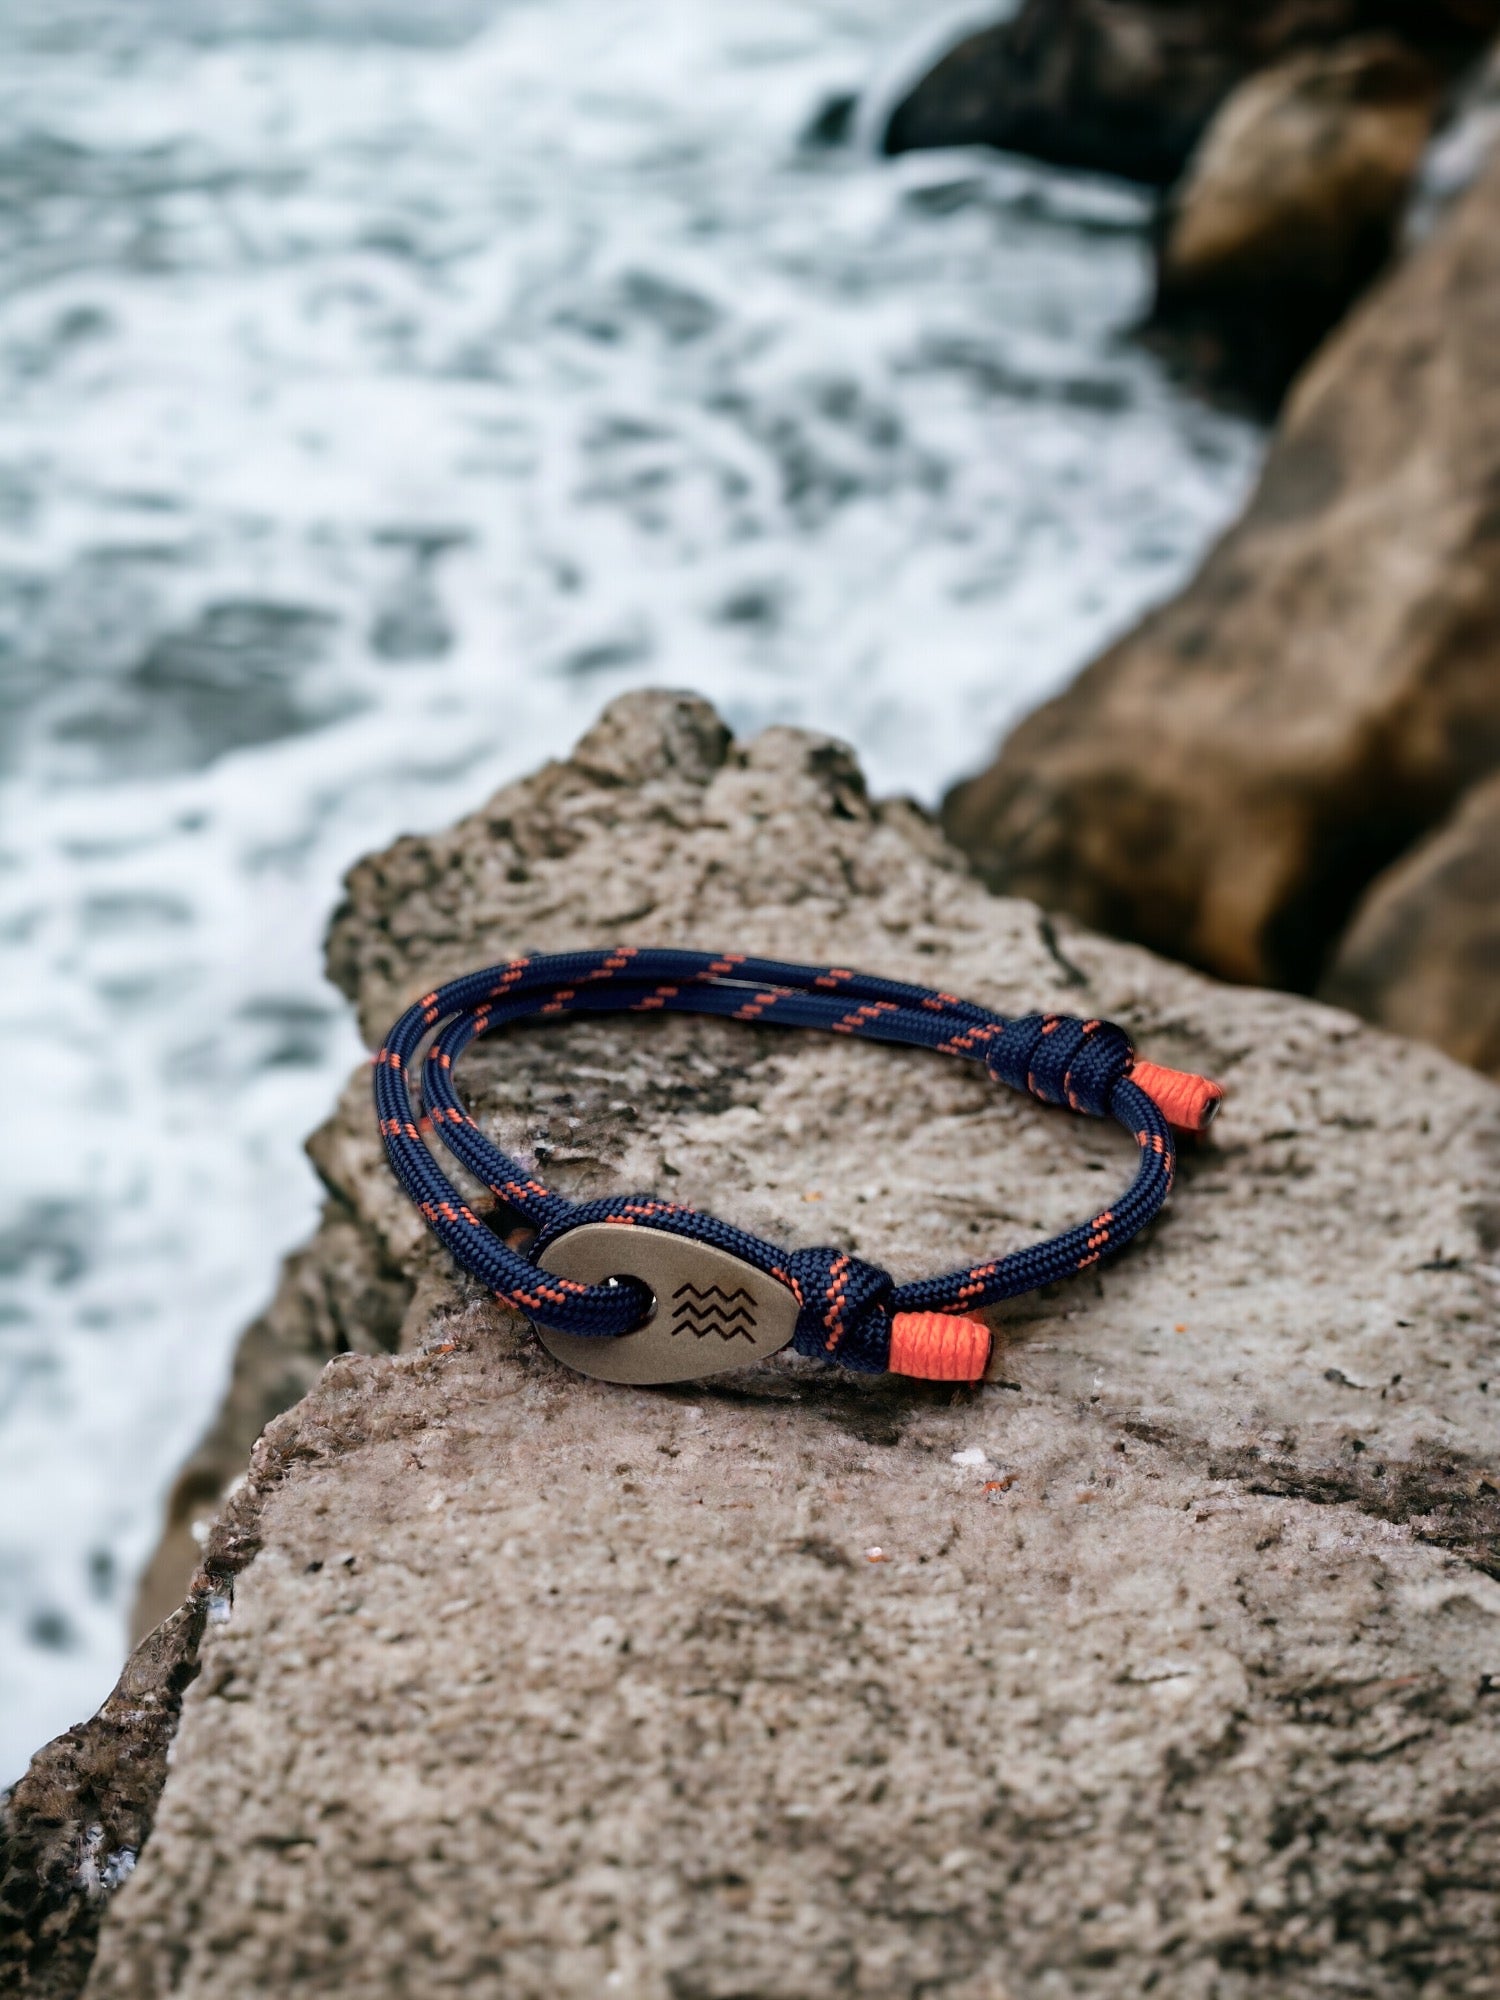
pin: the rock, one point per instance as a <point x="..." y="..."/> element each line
<point x="1119" y="89"/>
<point x="1129" y="86"/>
<point x="72" y="1828"/>
<point x="336" y="1294"/>
<point x="1289" y="207"/>
<point x="833" y="123"/>
<point x="1163" y="1661"/>
<point x="1422" y="954"/>
<point x="1224" y="781"/>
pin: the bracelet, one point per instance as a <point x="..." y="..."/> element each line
<point x="633" y="1289"/>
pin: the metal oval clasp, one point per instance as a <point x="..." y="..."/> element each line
<point x="713" y="1311"/>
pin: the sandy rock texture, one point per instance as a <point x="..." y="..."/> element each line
<point x="1166" y="1661"/>
<point x="1224" y="782"/>
<point x="1290" y="206"/>
<point x="1422" y="954"/>
<point x="338" y="1293"/>
<point x="1129" y="86"/>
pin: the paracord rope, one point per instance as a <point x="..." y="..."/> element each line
<point x="846" y="1306"/>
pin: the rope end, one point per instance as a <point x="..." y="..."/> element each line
<point x="939" y="1347"/>
<point x="1191" y="1103"/>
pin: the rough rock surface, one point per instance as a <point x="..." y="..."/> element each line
<point x="336" y="1294"/>
<point x="1164" y="1662"/>
<point x="1128" y="86"/>
<point x="72" y="1828"/>
<point x="1224" y="782"/>
<point x="1422" y="955"/>
<point x="1290" y="206"/>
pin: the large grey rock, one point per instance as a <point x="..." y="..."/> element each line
<point x="1081" y="83"/>
<point x="1224" y="782"/>
<point x="1129" y="86"/>
<point x="1163" y="1662"/>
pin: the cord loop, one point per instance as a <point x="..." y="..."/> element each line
<point x="1061" y="1060"/>
<point x="847" y="1308"/>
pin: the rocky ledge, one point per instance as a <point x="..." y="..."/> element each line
<point x="1167" y="1660"/>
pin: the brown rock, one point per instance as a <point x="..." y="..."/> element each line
<point x="1160" y="1663"/>
<point x="1290" y="206"/>
<point x="1129" y="86"/>
<point x="1223" y="783"/>
<point x="1422" y="955"/>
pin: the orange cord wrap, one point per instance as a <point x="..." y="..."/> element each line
<point x="939" y="1347"/>
<point x="1189" y="1102"/>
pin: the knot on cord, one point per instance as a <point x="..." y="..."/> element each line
<point x="1062" y="1060"/>
<point x="845" y="1309"/>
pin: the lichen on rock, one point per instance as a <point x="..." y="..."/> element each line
<point x="1162" y="1661"/>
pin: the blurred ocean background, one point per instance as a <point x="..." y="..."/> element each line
<point x="383" y="386"/>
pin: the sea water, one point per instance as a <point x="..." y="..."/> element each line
<point x="383" y="387"/>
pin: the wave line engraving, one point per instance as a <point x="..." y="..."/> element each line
<point x="701" y="1311"/>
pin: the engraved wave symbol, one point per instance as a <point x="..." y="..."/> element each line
<point x="710" y="1309"/>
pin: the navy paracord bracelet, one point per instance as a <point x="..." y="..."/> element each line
<point x="709" y="1295"/>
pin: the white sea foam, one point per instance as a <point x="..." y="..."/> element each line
<point x="380" y="390"/>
